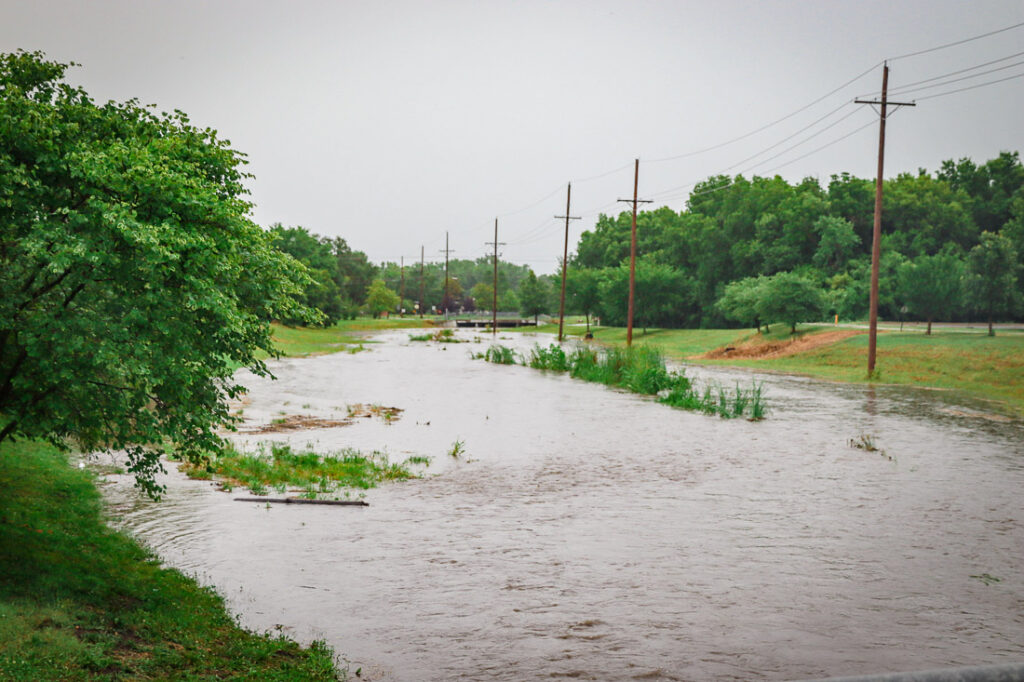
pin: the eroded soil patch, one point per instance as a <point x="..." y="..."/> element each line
<point x="778" y="349"/>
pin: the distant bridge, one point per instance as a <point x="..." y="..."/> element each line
<point x="502" y="322"/>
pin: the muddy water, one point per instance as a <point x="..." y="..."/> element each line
<point x="593" y="534"/>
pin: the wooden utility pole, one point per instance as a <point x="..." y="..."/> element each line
<point x="401" y="289"/>
<point x="421" y="280"/>
<point x="632" y="254"/>
<point x="876" y="236"/>
<point x="565" y="260"/>
<point x="494" y="293"/>
<point x="446" y="301"/>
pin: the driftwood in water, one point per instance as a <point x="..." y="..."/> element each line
<point x="299" y="500"/>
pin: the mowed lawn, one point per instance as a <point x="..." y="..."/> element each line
<point x="990" y="367"/>
<point x="984" y="366"/>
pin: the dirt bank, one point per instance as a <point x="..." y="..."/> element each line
<point x="757" y="348"/>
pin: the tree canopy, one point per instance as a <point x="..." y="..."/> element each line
<point x="132" y="281"/>
<point x="737" y="228"/>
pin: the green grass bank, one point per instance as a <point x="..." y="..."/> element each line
<point x="965" y="360"/>
<point x="80" y="601"/>
<point x="345" y="335"/>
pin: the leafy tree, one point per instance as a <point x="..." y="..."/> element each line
<point x="660" y="296"/>
<point x="380" y="299"/>
<point x="583" y="291"/>
<point x="837" y="243"/>
<point x="132" y="281"/>
<point x="990" y="285"/>
<point x="788" y="297"/>
<point x="354" y="272"/>
<point x="739" y="301"/>
<point x="925" y="215"/>
<point x="483" y="294"/>
<point x="991" y="187"/>
<point x="451" y="301"/>
<point x="533" y="296"/>
<point x="322" y="292"/>
<point x="930" y="286"/>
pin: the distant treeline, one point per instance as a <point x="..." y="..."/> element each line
<point x="747" y="251"/>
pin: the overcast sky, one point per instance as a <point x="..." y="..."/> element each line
<point x="390" y="122"/>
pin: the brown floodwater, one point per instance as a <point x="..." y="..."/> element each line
<point x="594" y="534"/>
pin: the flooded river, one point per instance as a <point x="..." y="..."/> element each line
<point x="593" y="534"/>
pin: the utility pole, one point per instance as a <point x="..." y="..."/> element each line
<point x="401" y="289"/>
<point x="421" y="281"/>
<point x="632" y="254"/>
<point x="494" y="293"/>
<point x="565" y="260"/>
<point x="876" y="236"/>
<point x="446" y="301"/>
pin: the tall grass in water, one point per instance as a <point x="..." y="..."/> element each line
<point x="501" y="355"/>
<point x="551" y="358"/>
<point x="641" y="370"/>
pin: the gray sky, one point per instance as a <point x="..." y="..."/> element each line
<point x="389" y="122"/>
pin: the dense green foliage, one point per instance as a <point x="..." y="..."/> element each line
<point x="132" y="281"/>
<point x="737" y="230"/>
<point x="990" y="286"/>
<point x="79" y="601"/>
<point x="533" y="296"/>
<point x="380" y="299"/>
<point x="340" y="278"/>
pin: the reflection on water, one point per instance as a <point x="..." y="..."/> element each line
<point x="595" y="534"/>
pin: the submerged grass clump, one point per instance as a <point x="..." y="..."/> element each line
<point x="498" y="354"/>
<point x="641" y="370"/>
<point x="440" y="336"/>
<point x="551" y="358"/>
<point x="278" y="466"/>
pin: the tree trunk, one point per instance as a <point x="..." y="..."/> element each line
<point x="793" y="329"/>
<point x="588" y="323"/>
<point x="991" y="331"/>
<point x="928" y="332"/>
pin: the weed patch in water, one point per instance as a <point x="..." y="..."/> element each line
<point x="499" y="355"/>
<point x="641" y="370"/>
<point x="458" y="448"/>
<point x="440" y="336"/>
<point x="866" y="442"/>
<point x="278" y="466"/>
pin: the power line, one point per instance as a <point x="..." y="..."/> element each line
<point x="784" y="151"/>
<point x="950" y="73"/>
<point x="955" y="43"/>
<point x="768" y="125"/>
<point x="903" y="91"/>
<point x="970" y="87"/>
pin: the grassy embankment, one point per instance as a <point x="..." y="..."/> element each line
<point x="345" y="335"/>
<point x="968" y="361"/>
<point x="80" y="601"/>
